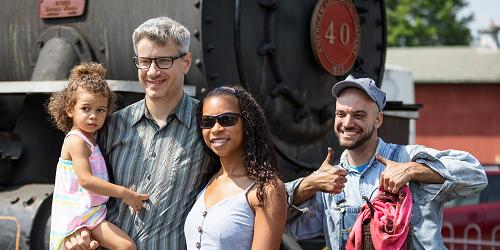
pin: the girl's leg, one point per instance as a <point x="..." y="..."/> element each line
<point x="112" y="237"/>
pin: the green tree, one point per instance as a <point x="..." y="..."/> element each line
<point x="427" y="23"/>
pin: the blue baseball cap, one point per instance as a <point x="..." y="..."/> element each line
<point x="365" y="84"/>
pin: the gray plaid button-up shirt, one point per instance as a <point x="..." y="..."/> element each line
<point x="169" y="164"/>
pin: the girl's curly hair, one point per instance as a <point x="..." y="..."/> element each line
<point x="259" y="157"/>
<point x="91" y="77"/>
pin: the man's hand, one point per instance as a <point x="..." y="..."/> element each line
<point x="395" y="174"/>
<point x="80" y="240"/>
<point x="327" y="178"/>
<point x="398" y="174"/>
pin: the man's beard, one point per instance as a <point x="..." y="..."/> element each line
<point x="355" y="144"/>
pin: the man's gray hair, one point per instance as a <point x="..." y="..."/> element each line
<point x="159" y="30"/>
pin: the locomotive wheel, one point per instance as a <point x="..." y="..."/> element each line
<point x="40" y="232"/>
<point x="266" y="46"/>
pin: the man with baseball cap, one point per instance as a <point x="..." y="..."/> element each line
<point x="365" y="84"/>
<point x="330" y="199"/>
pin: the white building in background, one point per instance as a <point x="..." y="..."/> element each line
<point x="489" y="38"/>
<point x="399" y="86"/>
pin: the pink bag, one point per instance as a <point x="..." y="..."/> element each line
<point x="389" y="218"/>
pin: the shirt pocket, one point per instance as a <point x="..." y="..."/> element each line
<point x="341" y="220"/>
<point x="332" y="216"/>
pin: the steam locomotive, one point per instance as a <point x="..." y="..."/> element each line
<point x="288" y="54"/>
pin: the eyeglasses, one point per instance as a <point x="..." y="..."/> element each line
<point x="225" y="120"/>
<point x="161" y="62"/>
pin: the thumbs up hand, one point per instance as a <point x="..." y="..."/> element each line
<point x="328" y="178"/>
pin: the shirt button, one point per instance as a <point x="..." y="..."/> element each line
<point x="200" y="229"/>
<point x="204" y="213"/>
<point x="198" y="245"/>
<point x="153" y="154"/>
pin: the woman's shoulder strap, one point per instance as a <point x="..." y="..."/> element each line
<point x="250" y="187"/>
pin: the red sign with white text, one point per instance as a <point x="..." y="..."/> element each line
<point x="61" y="8"/>
<point x="335" y="35"/>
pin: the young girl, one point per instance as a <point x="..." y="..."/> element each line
<point x="82" y="188"/>
<point x="244" y="204"/>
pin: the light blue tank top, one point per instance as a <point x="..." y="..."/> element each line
<point x="226" y="225"/>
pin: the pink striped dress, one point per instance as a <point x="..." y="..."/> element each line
<point x="73" y="207"/>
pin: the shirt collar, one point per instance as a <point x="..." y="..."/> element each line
<point x="136" y="116"/>
<point x="183" y="111"/>
<point x="381" y="144"/>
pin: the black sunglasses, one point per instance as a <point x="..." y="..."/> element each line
<point x="225" y="120"/>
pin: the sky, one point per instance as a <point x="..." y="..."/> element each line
<point x="484" y="11"/>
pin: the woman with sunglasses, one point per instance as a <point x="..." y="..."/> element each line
<point x="244" y="204"/>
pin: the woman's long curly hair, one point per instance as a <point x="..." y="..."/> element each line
<point x="91" y="77"/>
<point x="259" y="157"/>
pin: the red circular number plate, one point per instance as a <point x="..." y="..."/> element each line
<point x="335" y="35"/>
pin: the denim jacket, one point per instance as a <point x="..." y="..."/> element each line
<point x="333" y="215"/>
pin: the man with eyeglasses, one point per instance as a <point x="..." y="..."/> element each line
<point x="331" y="197"/>
<point x="152" y="146"/>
